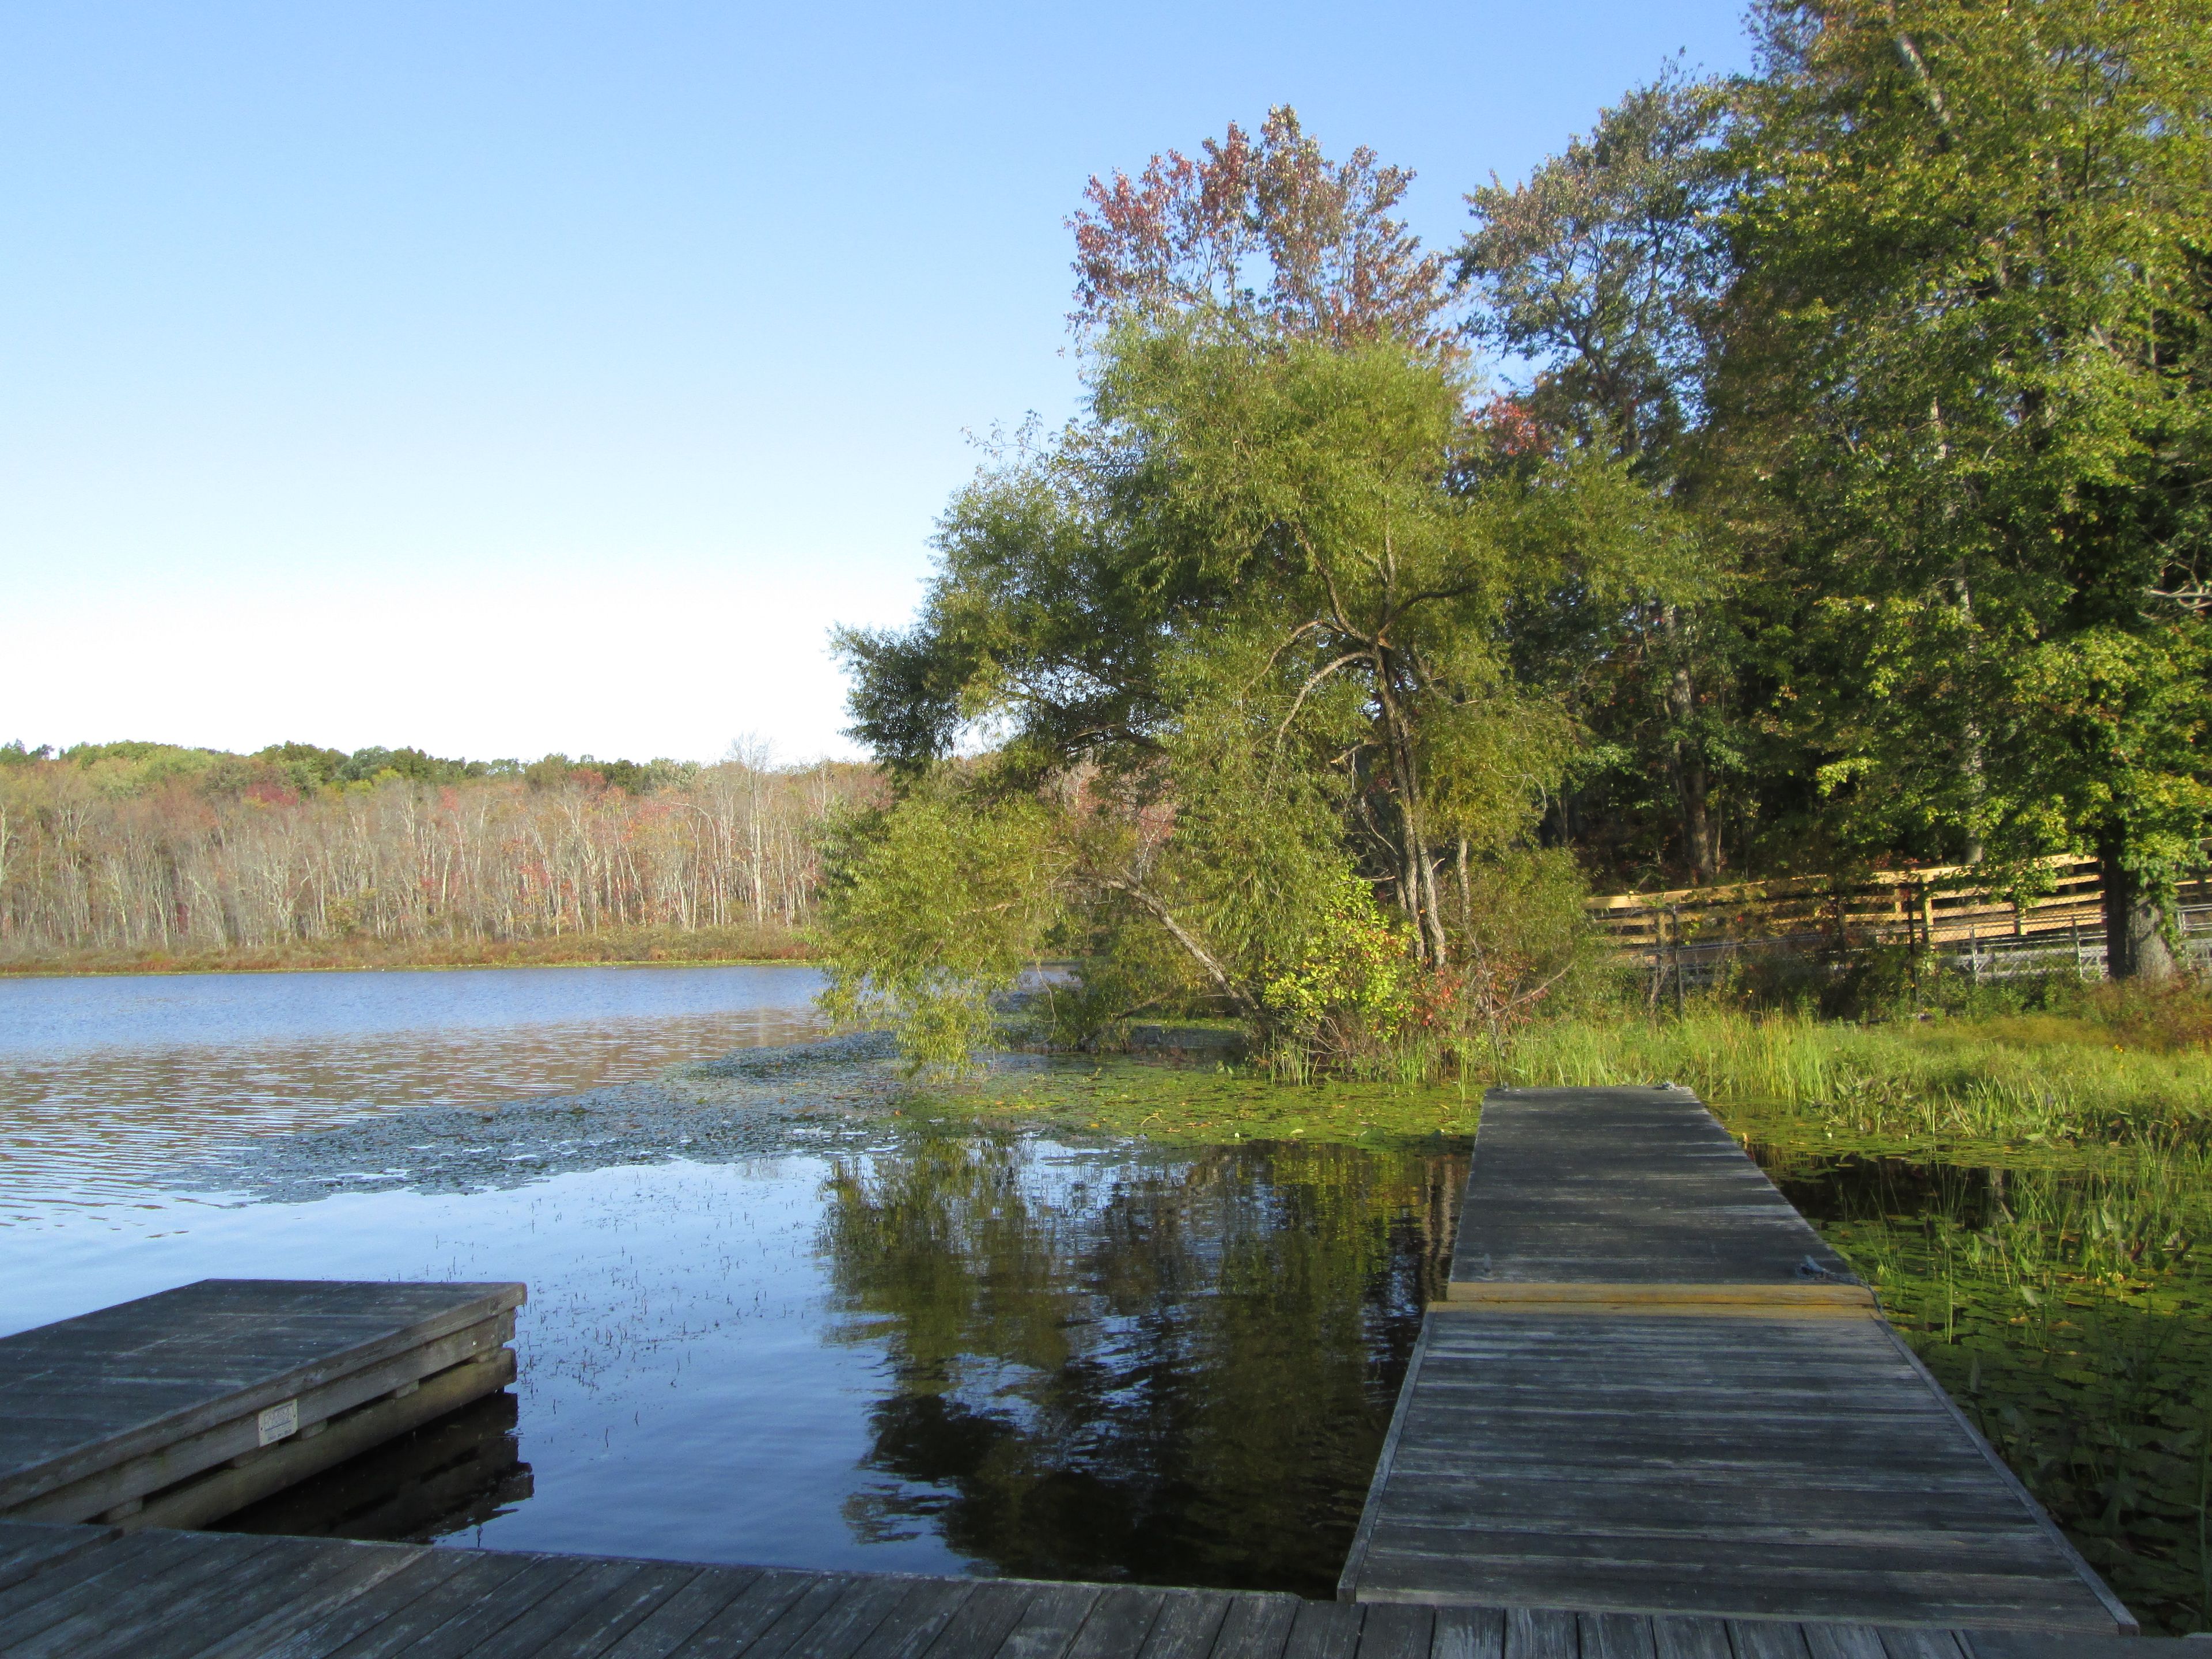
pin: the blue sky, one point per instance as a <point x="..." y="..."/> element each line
<point x="499" y="379"/>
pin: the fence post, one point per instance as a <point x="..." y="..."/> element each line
<point x="1678" y="961"/>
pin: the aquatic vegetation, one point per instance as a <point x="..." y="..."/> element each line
<point x="2069" y="1311"/>
<point x="1187" y="1104"/>
<point x="2015" y="1083"/>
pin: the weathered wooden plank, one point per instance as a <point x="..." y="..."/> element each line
<point x="1609" y="1579"/>
<point x="539" y="1624"/>
<point x="1616" y="1636"/>
<point x="917" y="1620"/>
<point x="2030" y="1644"/>
<point x="1841" y="1641"/>
<point x="851" y="1620"/>
<point x="1390" y="1631"/>
<point x="221" y="1491"/>
<point x="463" y="1609"/>
<point x="1758" y="1638"/>
<point x="280" y="1591"/>
<point x="674" y="1622"/>
<point x="132" y="1611"/>
<point x="615" y="1616"/>
<point x="1659" y="1393"/>
<point x="1324" y="1630"/>
<point x="1188" y="1625"/>
<point x="1256" y="1627"/>
<point x="1676" y="1636"/>
<point x="1996" y="1558"/>
<point x="1921" y="1644"/>
<point x="753" y="1610"/>
<point x="476" y="1620"/>
<point x="1622" y="1186"/>
<point x="1464" y="1632"/>
<point x="1540" y="1633"/>
<point x="27" y="1549"/>
<point x="361" y="1574"/>
<point x="92" y="1580"/>
<point x="330" y="1630"/>
<point x="1049" y="1622"/>
<point x="822" y="1592"/>
<point x="980" y="1622"/>
<point x="1120" y="1621"/>
<point x="1819" y="1510"/>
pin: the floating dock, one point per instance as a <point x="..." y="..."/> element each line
<point x="178" y="1409"/>
<point x="1652" y="1390"/>
<point x="92" y="1593"/>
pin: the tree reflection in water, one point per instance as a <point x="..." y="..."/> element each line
<point x="1173" y="1367"/>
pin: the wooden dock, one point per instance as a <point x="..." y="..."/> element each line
<point x="178" y="1409"/>
<point x="1652" y="1390"/>
<point x="90" y="1592"/>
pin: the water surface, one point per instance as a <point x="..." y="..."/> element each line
<point x="105" y="1079"/>
<point x="776" y="1315"/>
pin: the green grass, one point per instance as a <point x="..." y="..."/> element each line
<point x="2008" y="1082"/>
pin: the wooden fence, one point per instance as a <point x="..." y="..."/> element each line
<point x="2056" y="920"/>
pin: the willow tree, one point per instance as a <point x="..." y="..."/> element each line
<point x="1245" y="651"/>
<point x="1975" y="241"/>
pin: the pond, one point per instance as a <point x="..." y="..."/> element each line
<point x="773" y="1317"/>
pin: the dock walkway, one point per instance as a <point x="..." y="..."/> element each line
<point x="1651" y="1389"/>
<point x="177" y="1409"/>
<point x="84" y="1592"/>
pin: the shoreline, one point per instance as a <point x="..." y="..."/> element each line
<point x="614" y="950"/>
<point x="174" y="972"/>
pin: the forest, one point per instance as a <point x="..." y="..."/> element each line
<point x="1803" y="472"/>
<point x="147" y="854"/>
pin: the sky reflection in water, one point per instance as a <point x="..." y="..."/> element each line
<point x="826" y="1342"/>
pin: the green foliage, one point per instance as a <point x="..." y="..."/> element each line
<point x="1970" y="378"/>
<point x="1252" y="638"/>
<point x="936" y="906"/>
<point x="1351" y="983"/>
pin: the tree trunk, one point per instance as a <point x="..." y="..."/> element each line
<point x="1692" y="779"/>
<point x="2135" y="921"/>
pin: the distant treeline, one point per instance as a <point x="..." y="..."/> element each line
<point x="145" y="847"/>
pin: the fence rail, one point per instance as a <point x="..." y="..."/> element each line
<point x="1695" y="934"/>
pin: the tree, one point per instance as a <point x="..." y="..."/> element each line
<point x="1604" y="271"/>
<point x="1247" y="645"/>
<point x="1271" y="238"/>
<point x="1975" y="253"/>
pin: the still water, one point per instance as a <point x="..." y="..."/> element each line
<point x="772" y="1317"/>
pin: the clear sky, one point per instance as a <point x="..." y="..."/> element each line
<point x="500" y="378"/>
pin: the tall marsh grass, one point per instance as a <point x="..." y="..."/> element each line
<point x="2019" y="1078"/>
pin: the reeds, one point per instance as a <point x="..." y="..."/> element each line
<point x="1942" y="1080"/>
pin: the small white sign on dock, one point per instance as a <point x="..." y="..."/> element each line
<point x="280" y="1422"/>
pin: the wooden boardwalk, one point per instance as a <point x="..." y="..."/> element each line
<point x="1652" y="1390"/>
<point x="86" y="1592"/>
<point x="177" y="1409"/>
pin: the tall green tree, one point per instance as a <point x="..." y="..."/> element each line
<point x="1975" y="250"/>
<point x="1603" y="272"/>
